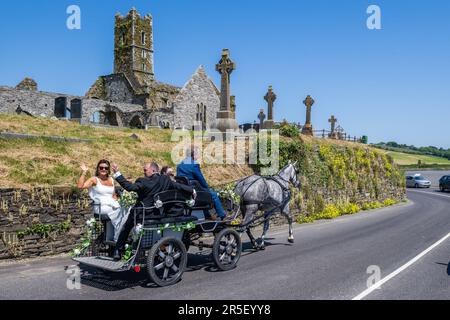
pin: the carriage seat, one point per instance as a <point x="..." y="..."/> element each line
<point x="203" y="202"/>
<point x="193" y="183"/>
<point x="175" y="204"/>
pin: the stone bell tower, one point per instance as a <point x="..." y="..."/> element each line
<point x="133" y="47"/>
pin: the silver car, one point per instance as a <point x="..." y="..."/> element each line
<point x="417" y="181"/>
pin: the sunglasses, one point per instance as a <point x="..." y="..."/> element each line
<point x="104" y="168"/>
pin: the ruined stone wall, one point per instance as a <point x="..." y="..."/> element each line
<point x="27" y="84"/>
<point x="198" y="90"/>
<point x="91" y="106"/>
<point x="43" y="104"/>
<point x="34" y="103"/>
<point x="117" y="89"/>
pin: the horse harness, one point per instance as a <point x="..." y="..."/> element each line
<point x="286" y="191"/>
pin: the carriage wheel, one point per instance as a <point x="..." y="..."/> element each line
<point x="167" y="262"/>
<point x="227" y="249"/>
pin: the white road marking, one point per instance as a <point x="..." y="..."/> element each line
<point x="399" y="270"/>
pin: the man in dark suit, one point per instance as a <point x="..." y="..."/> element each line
<point x="146" y="188"/>
<point x="190" y="169"/>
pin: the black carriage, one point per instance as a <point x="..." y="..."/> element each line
<point x="162" y="237"/>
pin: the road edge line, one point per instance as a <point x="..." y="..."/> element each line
<point x="399" y="270"/>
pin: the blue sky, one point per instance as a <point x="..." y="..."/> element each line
<point x="389" y="84"/>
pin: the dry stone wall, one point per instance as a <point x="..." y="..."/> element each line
<point x="41" y="222"/>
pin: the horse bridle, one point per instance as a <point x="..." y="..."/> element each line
<point x="287" y="181"/>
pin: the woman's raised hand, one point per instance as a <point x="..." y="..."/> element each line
<point x="115" y="168"/>
<point x="84" y="168"/>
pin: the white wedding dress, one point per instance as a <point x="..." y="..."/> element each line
<point x="103" y="196"/>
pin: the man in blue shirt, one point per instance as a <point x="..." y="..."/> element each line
<point x="190" y="169"/>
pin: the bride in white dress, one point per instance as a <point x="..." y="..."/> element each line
<point x="102" y="192"/>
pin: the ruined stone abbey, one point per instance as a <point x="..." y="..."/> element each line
<point x="130" y="96"/>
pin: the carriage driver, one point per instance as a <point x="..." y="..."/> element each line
<point x="190" y="169"/>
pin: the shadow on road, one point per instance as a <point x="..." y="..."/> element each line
<point x="446" y="265"/>
<point x="111" y="282"/>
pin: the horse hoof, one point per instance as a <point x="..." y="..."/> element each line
<point x="262" y="248"/>
<point x="291" y="241"/>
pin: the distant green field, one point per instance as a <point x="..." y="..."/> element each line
<point x="405" y="159"/>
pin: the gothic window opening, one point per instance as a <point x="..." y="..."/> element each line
<point x="201" y="115"/>
<point x="143" y="38"/>
<point x="122" y="39"/>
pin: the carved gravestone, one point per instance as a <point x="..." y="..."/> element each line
<point x="261" y="117"/>
<point x="333" y="121"/>
<point x="270" y="97"/>
<point x="226" y="118"/>
<point x="60" y="107"/>
<point x="308" y="128"/>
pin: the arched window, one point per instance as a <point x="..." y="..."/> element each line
<point x="197" y="115"/>
<point x="201" y="115"/>
<point x="136" y="123"/>
<point x="143" y="38"/>
<point x="122" y="39"/>
<point x="204" y="118"/>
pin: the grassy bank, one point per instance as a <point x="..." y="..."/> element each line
<point x="42" y="162"/>
<point x="341" y="178"/>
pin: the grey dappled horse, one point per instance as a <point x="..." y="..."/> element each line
<point x="270" y="195"/>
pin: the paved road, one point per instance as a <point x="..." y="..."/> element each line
<point x="329" y="261"/>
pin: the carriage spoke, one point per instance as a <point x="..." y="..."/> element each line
<point x="170" y="249"/>
<point x="166" y="274"/>
<point x="175" y="268"/>
<point x="161" y="254"/>
<point x="159" y="266"/>
<point x="223" y="256"/>
<point x="177" y="256"/>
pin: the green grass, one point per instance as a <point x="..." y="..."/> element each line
<point x="405" y="159"/>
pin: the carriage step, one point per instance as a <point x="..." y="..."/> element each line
<point x="104" y="263"/>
